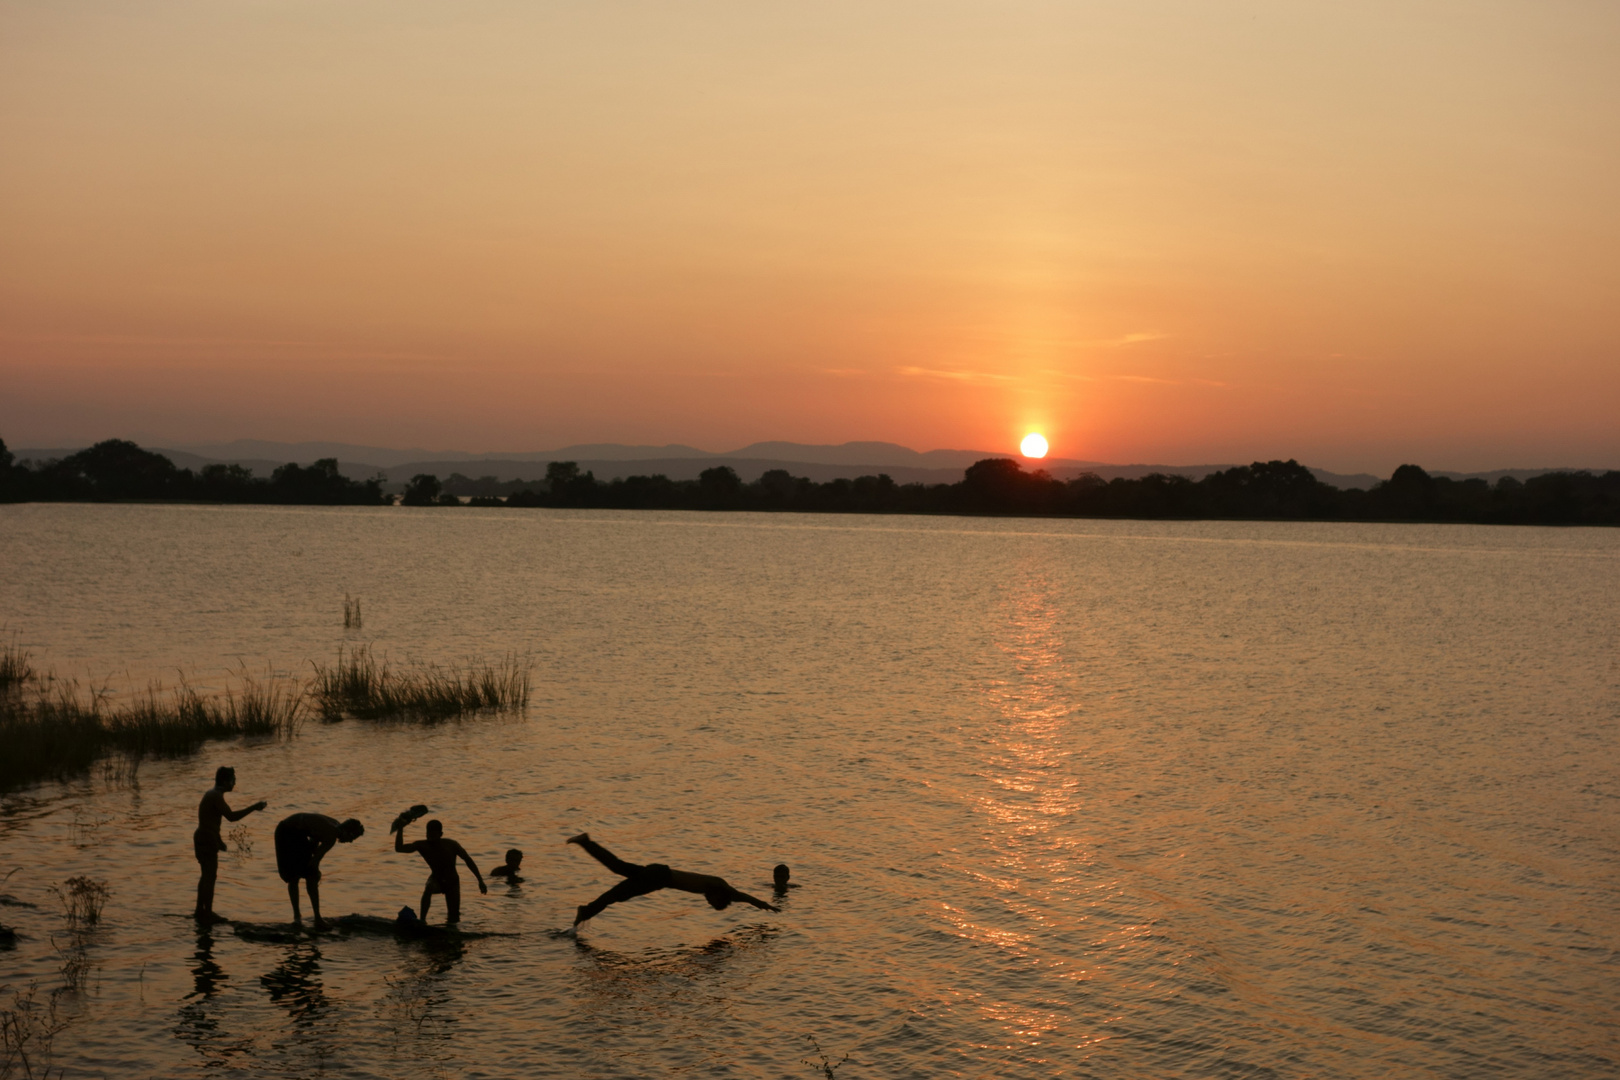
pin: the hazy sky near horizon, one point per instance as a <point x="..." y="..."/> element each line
<point x="1207" y="230"/>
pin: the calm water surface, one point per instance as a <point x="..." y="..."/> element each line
<point x="1065" y="798"/>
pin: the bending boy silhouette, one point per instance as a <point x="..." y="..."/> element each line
<point x="206" y="841"/>
<point x="302" y="840"/>
<point x="641" y="880"/>
<point x="440" y="853"/>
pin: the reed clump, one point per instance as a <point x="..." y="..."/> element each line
<point x="53" y="730"/>
<point x="29" y="1023"/>
<point x="361" y="686"/>
<point x="14" y="667"/>
<point x="82" y="899"/>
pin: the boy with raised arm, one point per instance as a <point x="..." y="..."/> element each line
<point x="641" y="880"/>
<point x="206" y="842"/>
<point x="440" y="853"/>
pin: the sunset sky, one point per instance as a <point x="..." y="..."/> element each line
<point x="1356" y="234"/>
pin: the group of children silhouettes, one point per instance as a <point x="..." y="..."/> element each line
<point x="302" y="840"/>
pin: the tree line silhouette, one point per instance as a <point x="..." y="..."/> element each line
<point x="1272" y="490"/>
<point x="119" y="471"/>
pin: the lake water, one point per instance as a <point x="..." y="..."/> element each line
<point x="1112" y="799"/>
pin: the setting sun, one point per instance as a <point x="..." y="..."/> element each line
<point x="1033" y="446"/>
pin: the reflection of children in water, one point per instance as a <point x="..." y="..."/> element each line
<point x="198" y="1022"/>
<point x="514" y="859"/>
<point x="295" y="983"/>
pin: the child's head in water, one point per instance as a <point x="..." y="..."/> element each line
<point x="779" y="876"/>
<point x="718" y="899"/>
<point x="514" y="859"/>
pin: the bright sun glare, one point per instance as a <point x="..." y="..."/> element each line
<point x="1033" y="446"/>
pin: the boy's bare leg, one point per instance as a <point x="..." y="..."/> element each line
<point x="315" y="902"/>
<point x="292" y="894"/>
<point x="205" y="891"/>
<point x="604" y="856"/>
<point x="427" y="898"/>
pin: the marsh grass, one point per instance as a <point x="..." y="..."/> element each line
<point x="361" y="686"/>
<point x="56" y="730"/>
<point x="29" y="1023"/>
<point x="14" y="667"/>
<point x="82" y="900"/>
<point x="826" y="1066"/>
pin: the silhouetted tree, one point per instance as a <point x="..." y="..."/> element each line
<point x="720" y="486"/>
<point x="322" y="484"/>
<point x="422" y="490"/>
<point x="118" y="469"/>
<point x="16" y="482"/>
<point x="776" y="489"/>
<point x="562" y="473"/>
<point x="1410" y="493"/>
<point x="1267" y="489"/>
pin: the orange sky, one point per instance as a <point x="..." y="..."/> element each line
<point x="1356" y="234"/>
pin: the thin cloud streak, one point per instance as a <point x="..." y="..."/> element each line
<point x="956" y="376"/>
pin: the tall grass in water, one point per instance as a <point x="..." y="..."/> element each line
<point x="361" y="686"/>
<point x="14" y="666"/>
<point x="29" y="1023"/>
<point x="55" y="730"/>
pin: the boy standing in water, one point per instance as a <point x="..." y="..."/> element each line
<point x="206" y="842"/>
<point x="440" y="853"/>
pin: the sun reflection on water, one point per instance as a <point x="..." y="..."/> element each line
<point x="1038" y="867"/>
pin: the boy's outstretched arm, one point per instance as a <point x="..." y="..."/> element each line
<point x="238" y="815"/>
<point x="738" y="894"/>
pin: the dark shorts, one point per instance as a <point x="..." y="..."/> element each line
<point x="207" y="846"/>
<point x="295" y="854"/>
<point x="450" y="889"/>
